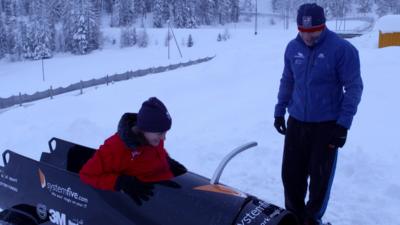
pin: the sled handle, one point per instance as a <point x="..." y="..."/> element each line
<point x="50" y="142"/>
<point x="5" y="153"/>
<point x="224" y="162"/>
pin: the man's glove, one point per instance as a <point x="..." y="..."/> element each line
<point x="139" y="191"/>
<point x="176" y="168"/>
<point x="280" y="124"/>
<point x="339" y="136"/>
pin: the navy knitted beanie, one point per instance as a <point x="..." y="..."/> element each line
<point x="153" y="116"/>
<point x="310" y="18"/>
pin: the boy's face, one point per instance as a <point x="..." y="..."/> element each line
<point x="154" y="138"/>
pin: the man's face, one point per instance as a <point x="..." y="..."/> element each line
<point x="154" y="138"/>
<point x="310" y="37"/>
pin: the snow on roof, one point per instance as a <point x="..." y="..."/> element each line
<point x="388" y="24"/>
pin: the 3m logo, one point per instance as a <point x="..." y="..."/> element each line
<point x="57" y="217"/>
<point x="42" y="179"/>
<point x="60" y="218"/>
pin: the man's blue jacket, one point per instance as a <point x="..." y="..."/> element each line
<point x="320" y="83"/>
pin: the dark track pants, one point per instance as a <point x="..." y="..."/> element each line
<point x="307" y="155"/>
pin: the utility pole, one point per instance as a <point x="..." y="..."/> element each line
<point x="43" y="69"/>
<point x="171" y="31"/>
<point x="255" y="21"/>
<point x="168" y="39"/>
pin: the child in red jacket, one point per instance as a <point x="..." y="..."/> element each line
<point x="134" y="157"/>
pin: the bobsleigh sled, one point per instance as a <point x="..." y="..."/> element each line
<point x="49" y="191"/>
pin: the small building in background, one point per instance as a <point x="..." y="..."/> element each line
<point x="389" y="30"/>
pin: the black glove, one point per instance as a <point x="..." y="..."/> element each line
<point x="280" y="124"/>
<point x="176" y="168"/>
<point x="139" y="191"/>
<point x="339" y="136"/>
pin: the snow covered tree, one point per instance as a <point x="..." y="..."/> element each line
<point x="224" y="11"/>
<point x="179" y="13"/>
<point x="115" y="13"/>
<point x="128" y="37"/>
<point x="42" y="30"/>
<point x="143" y="39"/>
<point x="234" y="11"/>
<point x="206" y="12"/>
<point x="81" y="29"/>
<point x="337" y="8"/>
<point x="158" y="13"/>
<point x="27" y="39"/>
<point x="57" y="10"/>
<point x="190" y="14"/>
<point x="364" y="6"/>
<point x="247" y="7"/>
<point x="11" y="40"/>
<point x="126" y="14"/>
<point x="219" y="38"/>
<point x="190" y="41"/>
<point x="385" y="7"/>
<point x="140" y="10"/>
<point x="80" y="43"/>
<point x="3" y="38"/>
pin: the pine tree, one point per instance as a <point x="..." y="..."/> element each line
<point x="247" y="7"/>
<point x="179" y="13"/>
<point x="337" y="8"/>
<point x="140" y="10"/>
<point x="80" y="44"/>
<point x="27" y="39"/>
<point x="219" y="38"/>
<point x="128" y="37"/>
<point x="388" y="7"/>
<point x="81" y="29"/>
<point x="190" y="14"/>
<point x="224" y="11"/>
<point x="190" y="41"/>
<point x="364" y="6"/>
<point x="234" y="11"/>
<point x="158" y="13"/>
<point x="3" y="40"/>
<point x="143" y="39"/>
<point x="115" y="13"/>
<point x="126" y="14"/>
<point x="42" y="30"/>
<point x="11" y="40"/>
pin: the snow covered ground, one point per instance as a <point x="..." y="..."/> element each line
<point x="217" y="106"/>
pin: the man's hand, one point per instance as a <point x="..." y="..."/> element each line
<point x="280" y="124"/>
<point x="139" y="191"/>
<point x="339" y="136"/>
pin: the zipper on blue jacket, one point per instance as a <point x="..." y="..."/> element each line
<point x="309" y="64"/>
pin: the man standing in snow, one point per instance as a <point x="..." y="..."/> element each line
<point x="321" y="87"/>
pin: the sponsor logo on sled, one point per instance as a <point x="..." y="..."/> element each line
<point x="60" y="218"/>
<point x="268" y="212"/>
<point x="65" y="193"/>
<point x="41" y="211"/>
<point x="6" y="182"/>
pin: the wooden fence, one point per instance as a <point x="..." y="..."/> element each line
<point x="51" y="92"/>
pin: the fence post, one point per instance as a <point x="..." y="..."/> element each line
<point x="81" y="87"/>
<point x="20" y="99"/>
<point x="51" y="92"/>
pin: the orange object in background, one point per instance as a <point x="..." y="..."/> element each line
<point x="389" y="39"/>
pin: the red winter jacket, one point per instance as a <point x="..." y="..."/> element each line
<point x="123" y="153"/>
